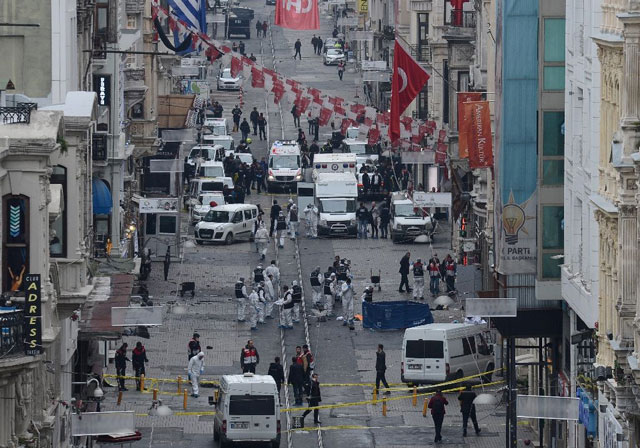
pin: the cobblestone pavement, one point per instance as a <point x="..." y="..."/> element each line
<point x="342" y="356"/>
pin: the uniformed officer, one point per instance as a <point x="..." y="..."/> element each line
<point x="296" y="295"/>
<point x="241" y="298"/>
<point x="316" y="280"/>
<point x="258" y="274"/>
<point x="287" y="306"/>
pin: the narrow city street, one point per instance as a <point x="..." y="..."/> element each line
<point x="342" y="356"/>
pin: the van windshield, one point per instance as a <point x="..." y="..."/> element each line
<point x="217" y="216"/>
<point x="337" y="205"/>
<point x="358" y="148"/>
<point x="212" y="171"/>
<point x="252" y="405"/>
<point x="424" y="349"/>
<point x="285" y="162"/>
<point x="407" y="210"/>
<point x="212" y="186"/>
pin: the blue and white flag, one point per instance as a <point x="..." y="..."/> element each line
<point x="193" y="13"/>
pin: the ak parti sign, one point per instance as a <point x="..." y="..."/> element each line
<point x="33" y="315"/>
<point x="478" y="134"/>
<point x="463" y="121"/>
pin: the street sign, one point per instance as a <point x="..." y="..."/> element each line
<point x="348" y="21"/>
<point x="130" y="316"/>
<point x="363" y="6"/>
<point x="426" y="199"/>
<point x="373" y="76"/>
<point x="548" y="407"/>
<point x="115" y="423"/>
<point x="361" y="35"/>
<point x="491" y="307"/>
<point x="373" y="65"/>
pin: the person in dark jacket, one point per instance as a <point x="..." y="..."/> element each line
<point x="276" y="372"/>
<point x="121" y="365"/>
<point x="404" y="272"/>
<point x="437" y="404"/>
<point x="253" y="118"/>
<point x="236" y="112"/>
<point x="314" y="400"/>
<point x="194" y="346"/>
<point x="296" y="379"/>
<point x="385" y="217"/>
<point x="249" y="357"/>
<point x="381" y="367"/>
<point x="468" y="409"/>
<point x="245" y="129"/>
<point x="262" y="126"/>
<point x="138" y="358"/>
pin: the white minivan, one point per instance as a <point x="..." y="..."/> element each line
<point x="247" y="410"/>
<point x="439" y="352"/>
<point x="227" y="223"/>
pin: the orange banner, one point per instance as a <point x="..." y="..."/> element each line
<point x="480" y="141"/>
<point x="463" y="121"/>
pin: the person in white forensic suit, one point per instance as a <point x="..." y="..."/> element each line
<point x="270" y="296"/>
<point x="347" y="303"/>
<point x="262" y="301"/>
<point x="311" y="215"/>
<point x="262" y="241"/>
<point x="287" y="308"/>
<point x="274" y="271"/>
<point x="253" y="308"/>
<point x="195" y="369"/>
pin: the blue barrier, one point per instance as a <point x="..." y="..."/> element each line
<point x="395" y="315"/>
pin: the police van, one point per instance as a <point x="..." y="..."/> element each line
<point x="285" y="168"/>
<point x="333" y="163"/>
<point x="247" y="410"/>
<point x="439" y="352"/>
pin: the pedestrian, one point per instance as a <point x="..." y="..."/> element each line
<point x="329" y="290"/>
<point x="374" y="213"/>
<point x="241" y="47"/>
<point x="418" y="279"/>
<point x="296" y="115"/>
<point x="236" y="112"/>
<point x="316" y="278"/>
<point x="167" y="262"/>
<point x="275" y="212"/>
<point x="249" y="357"/>
<point x="404" y="272"/>
<point x="335" y="32"/>
<point x="381" y="368"/>
<point x="311" y="215"/>
<point x="437" y="405"/>
<point x="195" y="369"/>
<point x="121" y="365"/>
<point x="262" y="241"/>
<point x="262" y="127"/>
<point x="310" y="122"/>
<point x="241" y="298"/>
<point x="297" y="46"/>
<point x="314" y="42"/>
<point x="296" y="296"/>
<point x="340" y="69"/>
<point x="287" y="307"/>
<point x="309" y="364"/>
<point x="385" y="218"/>
<point x="253" y="58"/>
<point x="270" y="296"/>
<point x="265" y="25"/>
<point x="314" y="400"/>
<point x="362" y="215"/>
<point x="254" y="310"/>
<point x="468" y="410"/>
<point x="245" y="129"/>
<point x="281" y="229"/>
<point x="450" y="274"/>
<point x="293" y="222"/>
<point x="296" y="379"/>
<point x="374" y="183"/>
<point x="253" y="117"/>
<point x="194" y="346"/>
<point x="277" y="372"/>
<point x="273" y="271"/>
<point x="138" y="358"/>
<point x="434" y="277"/>
<point x="234" y="47"/>
<point x="319" y="48"/>
<point x="301" y="137"/>
<point x="258" y="28"/>
<point x="347" y="303"/>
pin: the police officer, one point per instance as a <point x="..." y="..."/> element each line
<point x="347" y="303"/>
<point x="316" y="280"/>
<point x="329" y="288"/>
<point x="262" y="301"/>
<point x="241" y="298"/>
<point x="287" y="307"/>
<point x="281" y="229"/>
<point x="258" y="274"/>
<point x="296" y="295"/>
<point x="418" y="279"/>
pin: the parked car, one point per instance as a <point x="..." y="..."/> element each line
<point x="227" y="223"/>
<point x="228" y="82"/>
<point x="270" y="2"/>
<point x="333" y="56"/>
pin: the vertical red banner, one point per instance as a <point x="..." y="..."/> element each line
<point x="463" y="121"/>
<point x="298" y="14"/>
<point x="481" y="144"/>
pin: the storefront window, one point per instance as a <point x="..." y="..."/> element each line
<point x="167" y="224"/>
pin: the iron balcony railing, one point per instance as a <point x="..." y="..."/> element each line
<point x="421" y="53"/>
<point x="20" y="113"/>
<point x="462" y="19"/>
<point x="11" y="332"/>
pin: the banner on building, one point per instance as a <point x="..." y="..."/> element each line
<point x="298" y="14"/>
<point x="363" y="5"/>
<point x="33" y="315"/>
<point x="464" y="116"/>
<point x="479" y="134"/>
<point x="428" y="199"/>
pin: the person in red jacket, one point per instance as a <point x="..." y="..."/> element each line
<point x="437" y="404"/>
<point x="249" y="357"/>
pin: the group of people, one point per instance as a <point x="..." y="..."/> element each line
<point x="438" y="403"/>
<point x="437" y="270"/>
<point x="261" y="28"/>
<point x="138" y="360"/>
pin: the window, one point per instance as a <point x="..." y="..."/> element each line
<point x="150" y="223"/>
<point x="554" y="54"/>
<point x="553" y="172"/>
<point x="552" y="227"/>
<point x="423" y="103"/>
<point x="58" y="227"/>
<point x="469" y="345"/>
<point x="167" y="224"/>
<point x="102" y="19"/>
<point x="552" y="148"/>
<point x="424" y="349"/>
<point x="252" y="405"/>
<point x="247" y="215"/>
<point x="132" y="21"/>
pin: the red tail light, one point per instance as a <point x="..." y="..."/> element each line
<point x="279" y="426"/>
<point x="324" y="165"/>
<point x="402" y="368"/>
<point x="352" y="165"/>
<point x="448" y="369"/>
<point x="224" y="426"/>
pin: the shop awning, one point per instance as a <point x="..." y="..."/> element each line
<point x="96" y="311"/>
<point x="101" y="198"/>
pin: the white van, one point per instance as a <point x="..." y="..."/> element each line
<point x="364" y="152"/>
<point x="333" y="163"/>
<point x="211" y="168"/>
<point x="435" y="353"/>
<point x="227" y="223"/>
<point x="226" y="141"/>
<point x="247" y="410"/>
<point x="202" y="153"/>
<point x="218" y="126"/>
<point x="285" y="168"/>
<point x="201" y="206"/>
<point x="336" y="196"/>
<point x="201" y="185"/>
<point x="408" y="222"/>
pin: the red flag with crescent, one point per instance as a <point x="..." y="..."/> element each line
<point x="298" y="14"/>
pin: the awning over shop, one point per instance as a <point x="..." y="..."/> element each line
<point x="101" y="198"/>
<point x="114" y="291"/>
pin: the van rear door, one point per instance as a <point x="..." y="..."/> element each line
<point x="425" y="360"/>
<point x="252" y="417"/>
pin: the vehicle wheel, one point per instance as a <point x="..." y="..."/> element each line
<point x="275" y="443"/>
<point x="199" y="242"/>
<point x="229" y="238"/>
<point x="216" y="434"/>
<point x="486" y="378"/>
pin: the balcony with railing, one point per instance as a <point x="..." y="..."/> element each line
<point x="100" y="46"/>
<point x="461" y="19"/>
<point x="20" y="113"/>
<point x="420" y="5"/>
<point x="421" y="53"/>
<point x="99" y="147"/>
<point x="11" y="329"/>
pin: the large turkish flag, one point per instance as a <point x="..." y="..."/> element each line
<point x="298" y="14"/>
<point x="408" y="79"/>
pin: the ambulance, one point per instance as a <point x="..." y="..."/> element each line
<point x="285" y="165"/>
